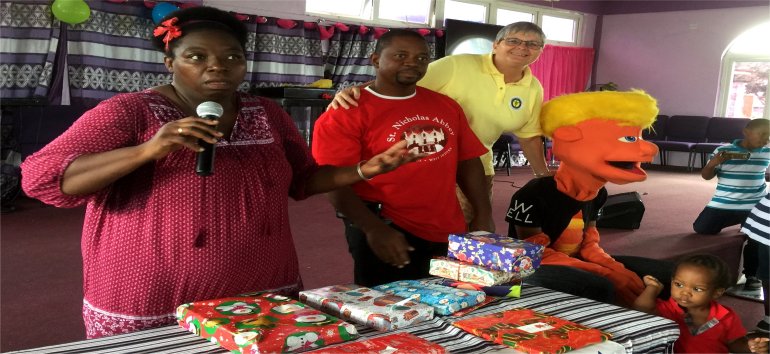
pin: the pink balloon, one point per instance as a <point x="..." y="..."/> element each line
<point x="423" y="31"/>
<point x="363" y="30"/>
<point x="326" y="32"/>
<point x="284" y="23"/>
<point x="261" y="19"/>
<point x="379" y="31"/>
<point x="439" y="33"/>
<point x="241" y="17"/>
<point x="341" y="26"/>
<point x="150" y="4"/>
<point x="310" y="25"/>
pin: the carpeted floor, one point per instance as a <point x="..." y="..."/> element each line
<point x="40" y="266"/>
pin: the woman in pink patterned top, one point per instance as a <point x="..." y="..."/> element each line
<point x="157" y="235"/>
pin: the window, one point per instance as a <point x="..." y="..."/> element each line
<point x="465" y="11"/>
<point x="745" y="74"/>
<point x="414" y="11"/>
<point x="505" y="17"/>
<point x="559" y="28"/>
<point x="388" y="12"/>
<point x="348" y="8"/>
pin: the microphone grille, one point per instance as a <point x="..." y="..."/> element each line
<point x="209" y="108"/>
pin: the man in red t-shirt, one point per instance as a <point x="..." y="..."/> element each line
<point x="412" y="210"/>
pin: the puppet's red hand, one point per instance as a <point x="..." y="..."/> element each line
<point x="540" y="239"/>
<point x="627" y="284"/>
<point x="554" y="257"/>
<point x="590" y="250"/>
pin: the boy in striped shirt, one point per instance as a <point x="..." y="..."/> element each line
<point x="740" y="170"/>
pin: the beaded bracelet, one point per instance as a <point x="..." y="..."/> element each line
<point x="361" y="174"/>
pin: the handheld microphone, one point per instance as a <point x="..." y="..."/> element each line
<point x="204" y="163"/>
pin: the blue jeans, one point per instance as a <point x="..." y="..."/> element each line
<point x="589" y="285"/>
<point x="711" y="221"/>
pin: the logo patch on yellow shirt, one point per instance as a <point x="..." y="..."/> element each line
<point x="516" y="103"/>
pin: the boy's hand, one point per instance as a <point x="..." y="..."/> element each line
<point x="758" y="345"/>
<point x="650" y="281"/>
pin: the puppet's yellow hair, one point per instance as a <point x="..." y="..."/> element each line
<point x="635" y="108"/>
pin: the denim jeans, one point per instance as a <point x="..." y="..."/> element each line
<point x="711" y="221"/>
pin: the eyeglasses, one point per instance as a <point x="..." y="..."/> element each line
<point x="515" y="42"/>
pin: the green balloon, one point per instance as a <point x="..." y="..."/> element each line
<point x="71" y="11"/>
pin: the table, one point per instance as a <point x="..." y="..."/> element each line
<point x="636" y="331"/>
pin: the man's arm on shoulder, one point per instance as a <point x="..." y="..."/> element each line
<point x="472" y="181"/>
<point x="347" y="97"/>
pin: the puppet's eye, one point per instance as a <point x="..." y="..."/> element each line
<point x="628" y="139"/>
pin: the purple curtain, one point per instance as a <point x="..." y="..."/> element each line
<point x="282" y="56"/>
<point x="110" y="53"/>
<point x="29" y="38"/>
<point x="348" y="55"/>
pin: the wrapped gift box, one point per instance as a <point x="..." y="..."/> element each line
<point x="267" y="323"/>
<point x="532" y="332"/>
<point x="468" y="272"/>
<point x="397" y="343"/>
<point x="445" y="300"/>
<point x="366" y="306"/>
<point x="512" y="289"/>
<point x="496" y="252"/>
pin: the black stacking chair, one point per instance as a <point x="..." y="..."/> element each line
<point x="501" y="151"/>
<point x="657" y="132"/>
<point x="682" y="133"/>
<point x="720" y="131"/>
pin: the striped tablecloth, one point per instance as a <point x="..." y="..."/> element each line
<point x="636" y="331"/>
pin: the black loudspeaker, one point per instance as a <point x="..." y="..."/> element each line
<point x="621" y="211"/>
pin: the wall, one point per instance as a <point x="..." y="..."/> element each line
<point x="675" y="56"/>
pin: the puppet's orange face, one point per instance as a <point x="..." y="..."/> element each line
<point x="604" y="149"/>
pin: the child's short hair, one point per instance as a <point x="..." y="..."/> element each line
<point x="757" y="123"/>
<point x="716" y="265"/>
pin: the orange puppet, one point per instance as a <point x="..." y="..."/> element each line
<point x="597" y="139"/>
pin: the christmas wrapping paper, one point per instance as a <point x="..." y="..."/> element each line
<point x="512" y="289"/>
<point x="366" y="306"/>
<point x="445" y="300"/>
<point x="397" y="343"/>
<point x="532" y="332"/>
<point x="468" y="272"/>
<point x="267" y="323"/>
<point x="496" y="252"/>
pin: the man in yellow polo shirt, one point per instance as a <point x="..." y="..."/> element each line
<point x="497" y="91"/>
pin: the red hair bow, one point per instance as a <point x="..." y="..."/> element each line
<point x="169" y="29"/>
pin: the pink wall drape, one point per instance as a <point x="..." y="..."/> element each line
<point x="563" y="70"/>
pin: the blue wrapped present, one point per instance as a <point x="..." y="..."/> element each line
<point x="496" y="252"/>
<point x="444" y="299"/>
